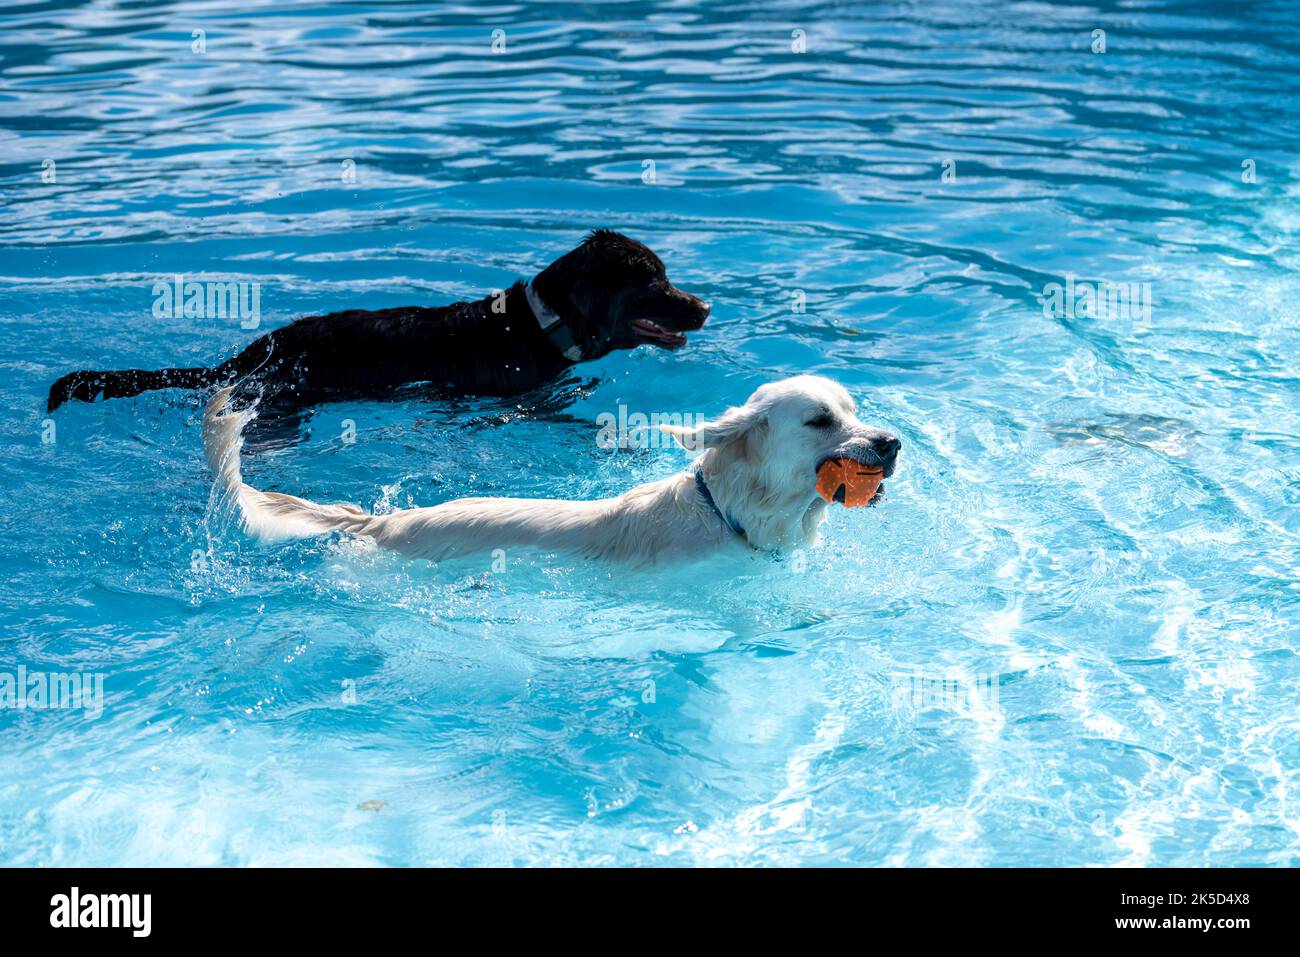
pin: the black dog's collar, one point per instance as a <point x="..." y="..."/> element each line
<point x="552" y="325"/>
<point x="703" y="488"/>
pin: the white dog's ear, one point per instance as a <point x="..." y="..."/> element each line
<point x="732" y="425"/>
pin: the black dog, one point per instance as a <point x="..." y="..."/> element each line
<point x="610" y="293"/>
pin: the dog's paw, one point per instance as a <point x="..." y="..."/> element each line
<point x="84" y="386"/>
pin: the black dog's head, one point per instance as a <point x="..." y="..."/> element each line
<point x="613" y="293"/>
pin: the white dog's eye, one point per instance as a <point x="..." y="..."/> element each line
<point x="823" y="421"/>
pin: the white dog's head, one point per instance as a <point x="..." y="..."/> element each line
<point x="761" y="458"/>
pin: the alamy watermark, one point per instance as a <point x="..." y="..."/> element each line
<point x="25" y="690"/>
<point x="1076" y="299"/>
<point x="76" y="909"/>
<point x="208" y="300"/>
<point x="639" y="430"/>
<point x="954" y="691"/>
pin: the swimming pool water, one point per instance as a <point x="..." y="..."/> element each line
<point x="1068" y="636"/>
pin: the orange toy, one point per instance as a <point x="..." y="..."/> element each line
<point x="850" y="483"/>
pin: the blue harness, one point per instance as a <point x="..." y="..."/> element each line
<point x="703" y="488"/>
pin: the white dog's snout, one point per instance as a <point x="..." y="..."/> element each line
<point x="874" y="447"/>
<point x="886" y="445"/>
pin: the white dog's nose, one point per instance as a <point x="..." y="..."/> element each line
<point x="886" y="446"/>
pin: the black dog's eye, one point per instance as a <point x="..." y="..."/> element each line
<point x="823" y="421"/>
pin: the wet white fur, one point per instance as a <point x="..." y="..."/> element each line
<point x="760" y="463"/>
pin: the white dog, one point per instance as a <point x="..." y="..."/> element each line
<point x="755" y="486"/>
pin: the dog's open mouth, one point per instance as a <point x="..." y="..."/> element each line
<point x="846" y="481"/>
<point x="652" y="332"/>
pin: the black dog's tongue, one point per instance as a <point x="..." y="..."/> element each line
<point x="657" y="333"/>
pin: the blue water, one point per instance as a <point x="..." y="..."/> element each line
<point x="1068" y="636"/>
